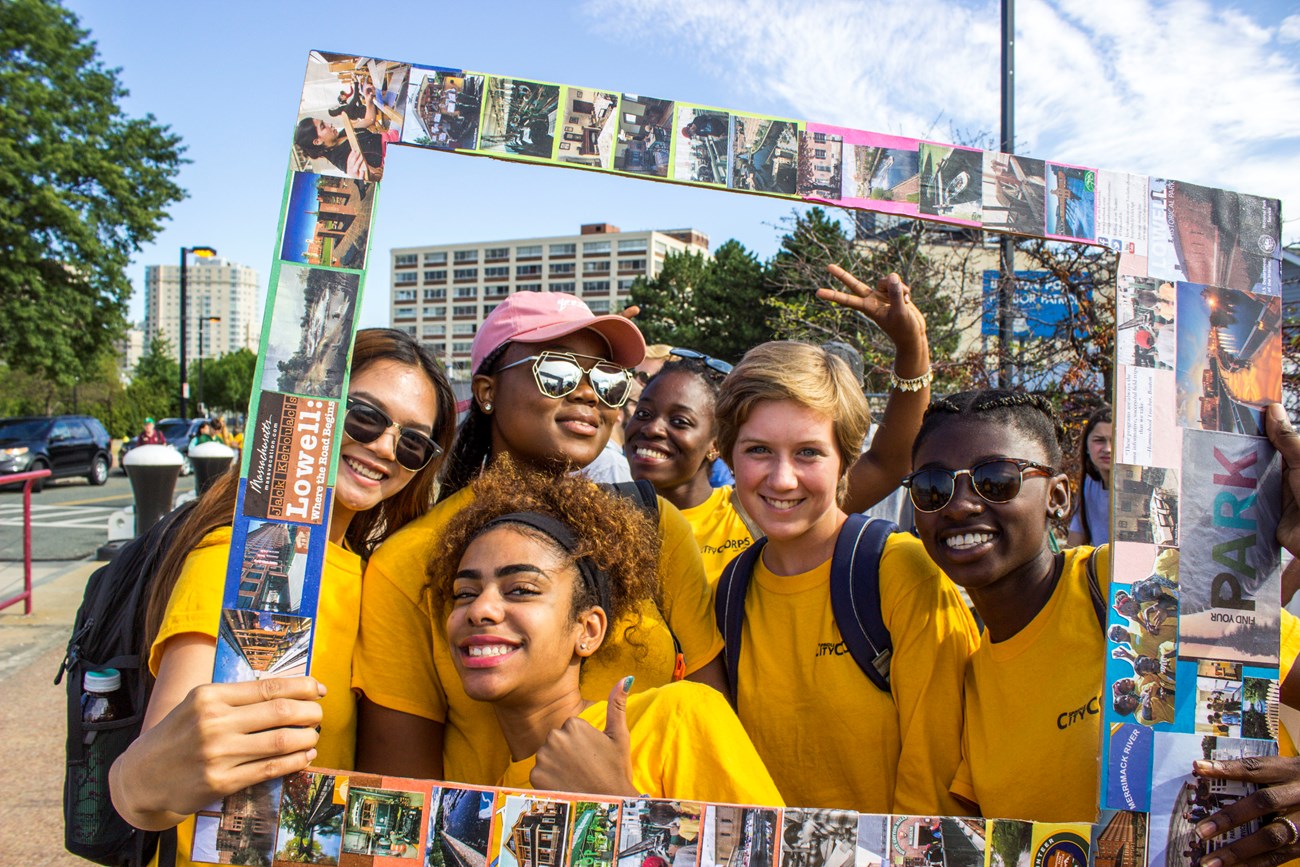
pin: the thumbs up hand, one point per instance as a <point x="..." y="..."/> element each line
<point x="578" y="757"/>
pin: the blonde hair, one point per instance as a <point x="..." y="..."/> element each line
<point x="804" y="374"/>
<point x="657" y="350"/>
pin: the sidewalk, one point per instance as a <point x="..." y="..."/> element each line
<point x="33" y="714"/>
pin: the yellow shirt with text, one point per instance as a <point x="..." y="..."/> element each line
<point x="687" y="744"/>
<point x="403" y="661"/>
<point x="1290" y="650"/>
<point x="829" y="737"/>
<point x="195" y="608"/>
<point x="1032" y="744"/>
<point x="719" y="530"/>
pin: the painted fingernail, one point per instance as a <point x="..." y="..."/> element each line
<point x="627" y="684"/>
<point x="1205" y="830"/>
<point x="1212" y="861"/>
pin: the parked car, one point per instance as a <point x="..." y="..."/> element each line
<point x="66" y="445"/>
<point x="178" y="432"/>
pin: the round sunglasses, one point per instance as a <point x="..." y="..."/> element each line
<point x="366" y="423"/>
<point x="996" y="480"/>
<point x="558" y="374"/>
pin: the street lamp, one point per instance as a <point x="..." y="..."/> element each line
<point x="202" y="253"/>
<point x="202" y="322"/>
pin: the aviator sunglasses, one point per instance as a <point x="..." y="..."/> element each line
<point x="715" y="364"/>
<point x="996" y="480"/>
<point x="558" y="374"/>
<point x="365" y="424"/>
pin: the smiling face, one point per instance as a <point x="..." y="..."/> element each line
<point x="787" y="469"/>
<point x="513" y="633"/>
<point x="978" y="543"/>
<point x="540" y="431"/>
<point x="369" y="473"/>
<point x="671" y="431"/>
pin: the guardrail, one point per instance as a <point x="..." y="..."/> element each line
<point x="26" y="478"/>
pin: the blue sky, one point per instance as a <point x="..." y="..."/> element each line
<point x="1204" y="92"/>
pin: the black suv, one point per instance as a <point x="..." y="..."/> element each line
<point x="66" y="445"/>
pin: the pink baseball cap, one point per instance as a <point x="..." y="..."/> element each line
<point x="537" y="317"/>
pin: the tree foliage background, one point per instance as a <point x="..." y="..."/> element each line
<point x="82" y="187"/>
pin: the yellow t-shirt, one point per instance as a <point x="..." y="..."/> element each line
<point x="687" y="744"/>
<point x="1033" y="709"/>
<point x="1286" y="744"/>
<point x="719" y="530"/>
<point x="396" y="624"/>
<point x="829" y="737"/>
<point x="195" y="607"/>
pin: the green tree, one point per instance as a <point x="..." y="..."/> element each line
<point x="154" y="387"/>
<point x="228" y="380"/>
<point x="669" y="300"/>
<point x="82" y="187"/>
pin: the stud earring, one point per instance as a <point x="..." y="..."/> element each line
<point x="487" y="408"/>
<point x="582" y="646"/>
<point x="712" y="455"/>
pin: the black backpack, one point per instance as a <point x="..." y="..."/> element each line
<point x="855" y="597"/>
<point x="109" y="633"/>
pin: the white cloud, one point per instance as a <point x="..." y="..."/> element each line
<point x="1182" y="88"/>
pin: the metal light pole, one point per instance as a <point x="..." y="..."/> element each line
<point x="1007" y="265"/>
<point x="202" y="327"/>
<point x="202" y="253"/>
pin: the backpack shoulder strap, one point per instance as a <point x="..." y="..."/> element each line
<point x="754" y="532"/>
<point x="641" y="491"/>
<point x="1094" y="590"/>
<point x="729" y="606"/>
<point x="855" y="594"/>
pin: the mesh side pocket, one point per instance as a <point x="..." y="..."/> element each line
<point x="94" y="829"/>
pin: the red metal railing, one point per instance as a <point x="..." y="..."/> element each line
<point x="26" y="478"/>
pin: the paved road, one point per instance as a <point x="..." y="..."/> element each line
<point x="69" y="517"/>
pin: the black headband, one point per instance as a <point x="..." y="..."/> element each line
<point x="593" y="577"/>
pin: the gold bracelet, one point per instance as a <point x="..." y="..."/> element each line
<point x="916" y="383"/>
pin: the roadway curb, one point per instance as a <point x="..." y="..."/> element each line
<point x="56" y="596"/>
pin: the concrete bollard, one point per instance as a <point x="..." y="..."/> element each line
<point x="153" y="471"/>
<point x="209" y="460"/>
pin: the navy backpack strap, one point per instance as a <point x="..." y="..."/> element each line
<point x="729" y="606"/>
<point x="1094" y="590"/>
<point x="855" y="594"/>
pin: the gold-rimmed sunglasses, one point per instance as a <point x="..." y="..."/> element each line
<point x="558" y="374"/>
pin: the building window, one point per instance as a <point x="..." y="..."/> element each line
<point x="600" y="305"/>
<point x="465" y="274"/>
<point x="819" y="137"/>
<point x="466" y="291"/>
<point x="819" y="154"/>
<point x="409" y="329"/>
<point x="528" y="270"/>
<point x="460" y="329"/>
<point x="528" y="287"/>
<point x="528" y="252"/>
<point x="436" y="258"/>
<point x="404" y="295"/>
<point x="406" y="277"/>
<point x="496" y="254"/>
<point x="625" y="286"/>
<point x="464" y="310"/>
<point x="563" y="249"/>
<point x="460" y="346"/>
<point x="438" y="330"/>
<point x="661" y="249"/>
<point x="561" y="268"/>
<point x="633" y="245"/>
<point x="403" y="312"/>
<point x="438" y="276"/>
<point x="595" y="287"/>
<point x="499" y="271"/>
<point x="405" y="260"/>
<point x="496" y="291"/>
<point x="567" y="286"/>
<point x="595" y="267"/>
<point x="461" y="256"/>
<point x="595" y="247"/>
<point x="488" y="308"/>
<point x="435" y="294"/>
<point x="631" y="265"/>
<point x="435" y="312"/>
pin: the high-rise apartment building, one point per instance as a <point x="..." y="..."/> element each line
<point x="214" y="288"/>
<point x="441" y="293"/>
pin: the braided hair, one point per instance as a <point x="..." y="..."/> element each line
<point x="473" y="445"/>
<point x="697" y="368"/>
<point x="1030" y="414"/>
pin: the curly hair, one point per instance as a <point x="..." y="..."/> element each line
<point x="611" y="531"/>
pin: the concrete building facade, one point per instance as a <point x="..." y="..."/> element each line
<point x="442" y="292"/>
<point x="215" y="287"/>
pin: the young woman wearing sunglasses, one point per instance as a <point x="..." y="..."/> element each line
<point x="549" y="380"/>
<point x="986" y="488"/>
<point x="792" y="420"/>
<point x="672" y="435"/>
<point x="533" y="573"/>
<point x="200" y="740"/>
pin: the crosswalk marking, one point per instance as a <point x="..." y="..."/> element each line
<point x="74" y="517"/>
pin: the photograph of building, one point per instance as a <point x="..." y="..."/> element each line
<point x="442" y="292"/>
<point x="274" y="566"/>
<point x="327" y="221"/>
<point x="534" y="833"/>
<point x="263" y="644"/>
<point x="383" y="822"/>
